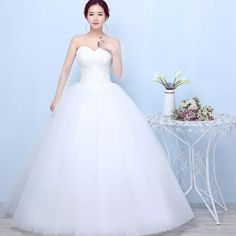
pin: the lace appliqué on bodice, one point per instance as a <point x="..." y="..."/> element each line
<point x="95" y="66"/>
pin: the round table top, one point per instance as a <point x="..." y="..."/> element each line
<point x="158" y="119"/>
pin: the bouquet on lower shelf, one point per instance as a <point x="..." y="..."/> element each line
<point x="191" y="109"/>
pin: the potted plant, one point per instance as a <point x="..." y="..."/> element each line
<point x="169" y="101"/>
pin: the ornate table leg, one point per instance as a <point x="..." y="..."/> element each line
<point x="201" y="169"/>
<point x="222" y="204"/>
<point x="211" y="194"/>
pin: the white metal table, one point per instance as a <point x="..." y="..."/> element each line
<point x="190" y="148"/>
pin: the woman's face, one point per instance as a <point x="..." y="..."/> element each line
<point x="96" y="16"/>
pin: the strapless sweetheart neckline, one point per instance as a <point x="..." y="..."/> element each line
<point x="91" y="49"/>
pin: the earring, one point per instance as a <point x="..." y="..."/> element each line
<point x="105" y="28"/>
<point x="87" y="27"/>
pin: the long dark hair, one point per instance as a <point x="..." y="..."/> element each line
<point x="101" y="3"/>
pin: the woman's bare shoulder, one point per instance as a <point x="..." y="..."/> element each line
<point x="113" y="38"/>
<point x="78" y="39"/>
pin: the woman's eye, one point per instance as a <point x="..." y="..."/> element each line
<point x="90" y="14"/>
<point x="100" y="14"/>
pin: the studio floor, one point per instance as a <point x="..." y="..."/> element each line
<point x="202" y="225"/>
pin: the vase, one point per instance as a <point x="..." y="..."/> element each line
<point x="169" y="102"/>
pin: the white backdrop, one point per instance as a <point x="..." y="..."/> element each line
<point x="196" y="36"/>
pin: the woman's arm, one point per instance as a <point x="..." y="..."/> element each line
<point x="71" y="53"/>
<point x="113" y="45"/>
<point x="117" y="60"/>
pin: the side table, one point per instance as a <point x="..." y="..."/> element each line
<point x="193" y="155"/>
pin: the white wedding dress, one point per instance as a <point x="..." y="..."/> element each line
<point x="99" y="168"/>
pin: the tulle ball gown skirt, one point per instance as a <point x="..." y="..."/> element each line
<point x="99" y="170"/>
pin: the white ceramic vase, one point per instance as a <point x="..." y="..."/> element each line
<point x="169" y="102"/>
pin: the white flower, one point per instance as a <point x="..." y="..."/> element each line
<point x="189" y="103"/>
<point x="160" y="78"/>
<point x="178" y="73"/>
<point x="193" y="106"/>
<point x="157" y="76"/>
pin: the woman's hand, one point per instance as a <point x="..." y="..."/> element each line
<point x="54" y="105"/>
<point x="107" y="44"/>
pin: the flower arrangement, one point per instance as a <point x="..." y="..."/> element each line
<point x="191" y="109"/>
<point x="178" y="80"/>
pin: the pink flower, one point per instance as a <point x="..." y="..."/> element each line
<point x="191" y="109"/>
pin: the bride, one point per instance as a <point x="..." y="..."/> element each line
<point x="99" y="169"/>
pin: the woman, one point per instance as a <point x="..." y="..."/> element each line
<point x="100" y="169"/>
